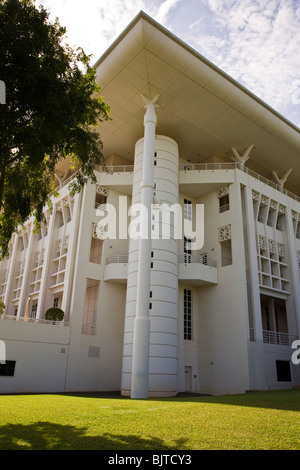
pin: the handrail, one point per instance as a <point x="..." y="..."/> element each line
<point x="235" y="165"/>
<point x="117" y="169"/>
<point x="200" y="259"/>
<point x="206" y="166"/>
<point x="194" y="167"/>
<point x="61" y="185"/>
<point x="123" y="259"/>
<point x="33" y="320"/>
<point x="276" y="337"/>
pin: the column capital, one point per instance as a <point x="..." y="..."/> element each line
<point x="150" y="115"/>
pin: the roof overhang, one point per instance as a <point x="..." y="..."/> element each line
<point x="203" y="109"/>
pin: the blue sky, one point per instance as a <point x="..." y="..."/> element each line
<point x="257" y="42"/>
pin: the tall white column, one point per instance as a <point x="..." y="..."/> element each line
<point x="141" y="337"/>
<point x="259" y="378"/>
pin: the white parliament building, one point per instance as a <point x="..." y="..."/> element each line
<point x="214" y="309"/>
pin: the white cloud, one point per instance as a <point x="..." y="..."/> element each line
<point x="164" y="10"/>
<point x="257" y="42"/>
<point x="94" y="24"/>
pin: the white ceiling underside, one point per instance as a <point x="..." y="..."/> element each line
<point x="200" y="107"/>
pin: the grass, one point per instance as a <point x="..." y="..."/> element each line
<point x="253" y="421"/>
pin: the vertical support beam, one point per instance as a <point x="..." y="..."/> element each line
<point x="294" y="270"/>
<point x="47" y="261"/>
<point x="141" y="337"/>
<point x="10" y="273"/>
<point x="69" y="276"/>
<point x="29" y="254"/>
<point x="260" y="382"/>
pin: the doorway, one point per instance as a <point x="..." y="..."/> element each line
<point x="188" y="378"/>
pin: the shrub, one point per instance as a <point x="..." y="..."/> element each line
<point x="2" y="307"/>
<point x="54" y="314"/>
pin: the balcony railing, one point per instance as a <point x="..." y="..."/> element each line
<point x="117" y="169"/>
<point x="206" y="166"/>
<point x="231" y="166"/>
<point x="33" y="320"/>
<point x="200" y="259"/>
<point x="123" y="259"/>
<point x="282" y="339"/>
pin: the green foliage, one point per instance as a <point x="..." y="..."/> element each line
<point x="2" y="307"/>
<point x="54" y="314"/>
<point x="52" y="107"/>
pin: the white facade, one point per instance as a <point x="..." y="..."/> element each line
<point x="217" y="319"/>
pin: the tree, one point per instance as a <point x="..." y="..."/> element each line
<point x="54" y="314"/>
<point x="52" y="107"/>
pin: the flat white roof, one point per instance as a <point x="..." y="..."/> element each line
<point x="203" y="109"/>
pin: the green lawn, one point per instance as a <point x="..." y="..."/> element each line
<point x="265" y="420"/>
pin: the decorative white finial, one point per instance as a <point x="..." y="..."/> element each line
<point x="242" y="158"/>
<point x="150" y="114"/>
<point x="281" y="181"/>
<point x="150" y="101"/>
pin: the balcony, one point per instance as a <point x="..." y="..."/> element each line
<point x="276" y="337"/>
<point x="116" y="267"/>
<point x="196" y="179"/>
<point x="212" y="175"/>
<point x="118" y="175"/>
<point x="40" y="321"/>
<point x="197" y="270"/>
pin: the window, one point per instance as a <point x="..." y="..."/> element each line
<point x="55" y="302"/>
<point x="223" y="196"/>
<point x="7" y="369"/>
<point x="226" y="253"/>
<point x="224" y="203"/>
<point x="283" y="371"/>
<point x="225" y="241"/>
<point x="90" y="308"/>
<point x="33" y="311"/>
<point x="96" y="250"/>
<point x="187" y="250"/>
<point x="187" y="311"/>
<point x="187" y="209"/>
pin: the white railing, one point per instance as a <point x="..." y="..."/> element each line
<point x="224" y="208"/>
<point x="200" y="259"/>
<point x="231" y="166"/>
<point x="33" y="320"/>
<point x="117" y="169"/>
<point x="105" y="169"/>
<point x="282" y="339"/>
<point x="206" y="166"/>
<point x="68" y="180"/>
<point x="122" y="259"/>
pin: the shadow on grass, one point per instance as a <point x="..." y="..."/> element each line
<point x="52" y="436"/>
<point x="288" y="400"/>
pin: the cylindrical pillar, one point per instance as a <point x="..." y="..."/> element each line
<point x="141" y="337"/>
<point x="161" y="294"/>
